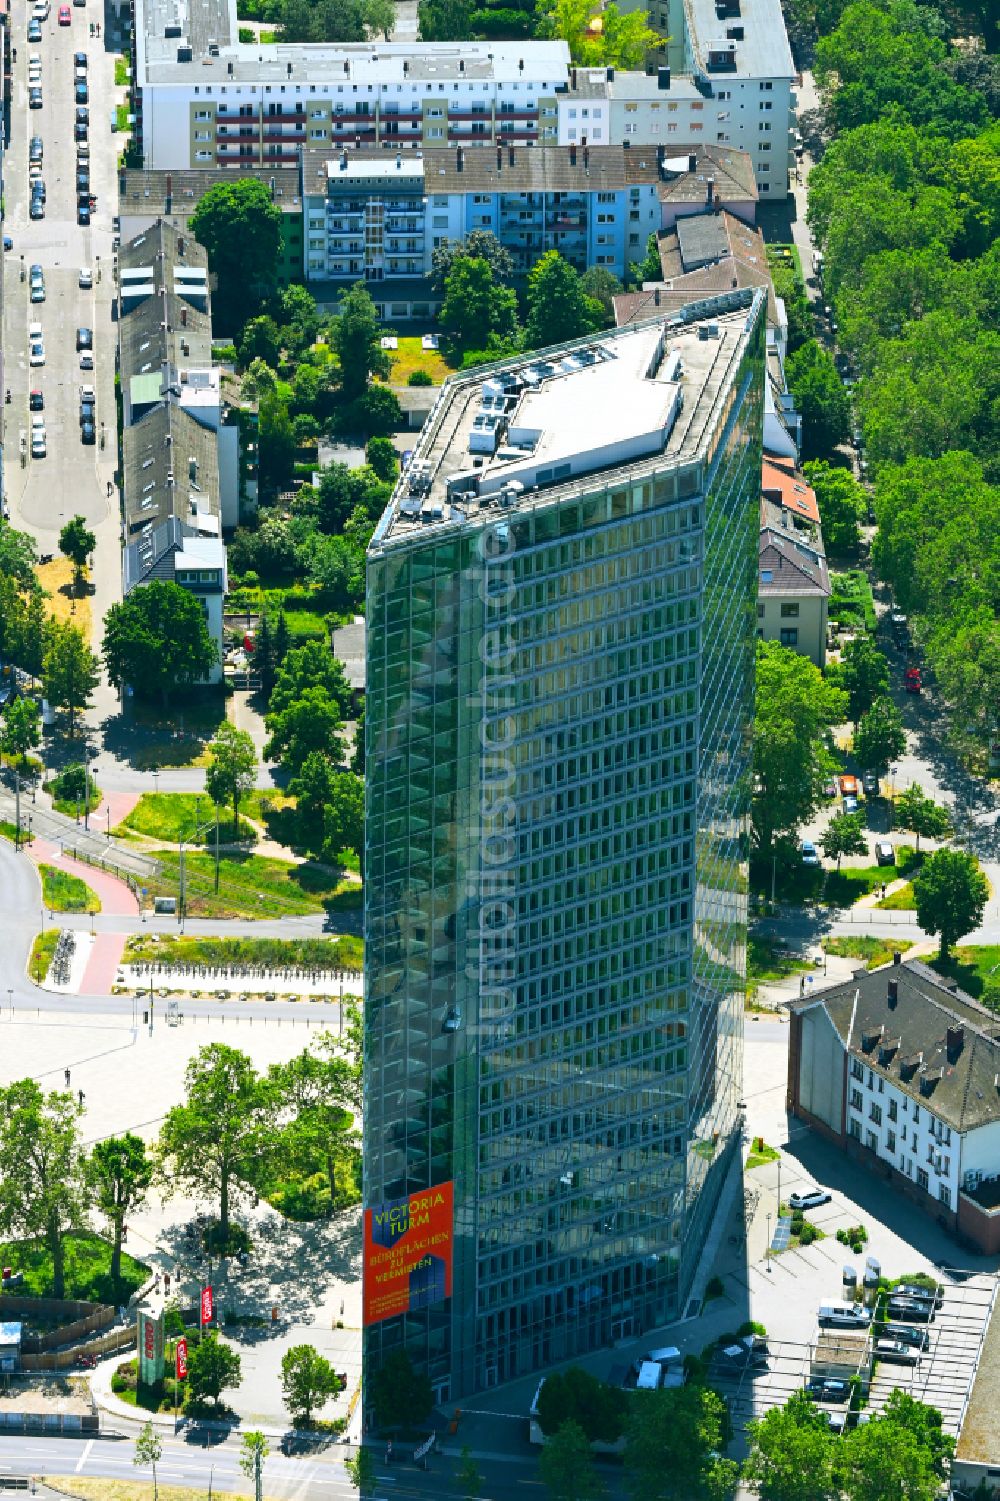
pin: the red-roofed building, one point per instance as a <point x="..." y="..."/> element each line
<point x="793" y="588"/>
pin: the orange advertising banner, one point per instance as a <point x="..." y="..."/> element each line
<point x="408" y="1249"/>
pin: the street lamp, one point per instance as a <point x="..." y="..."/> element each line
<point x="767" y="1248"/>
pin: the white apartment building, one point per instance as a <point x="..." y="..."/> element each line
<point x="901" y="1069"/>
<point x="205" y="99"/>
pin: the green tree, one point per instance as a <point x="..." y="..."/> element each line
<point x="476" y="307"/>
<point x="77" y="542"/>
<point x="342" y="490"/>
<point x="231" y="772"/>
<point x="312" y="723"/>
<point x="260" y="340"/>
<point x="320" y="1089"/>
<point x="950" y="893"/>
<point x="401" y="1395"/>
<point x="650" y="268"/>
<point x="558" y="307"/>
<point x="791" y="754"/>
<point x="360" y="1470"/>
<point x="921" y="815"/>
<point x="18" y="555"/>
<point x="31" y="637"/>
<point x="300" y="318"/>
<point x="445" y="20"/>
<point x="259" y="380"/>
<point x="356" y="336"/>
<point x="575" y="1396"/>
<point x="382" y="459"/>
<point x="148" y="1451"/>
<point x="924" y="1423"/>
<point x="212" y="1367"/>
<point x="277" y="442"/>
<point x="844" y="835"/>
<point x="375" y="413"/>
<point x="842" y="502"/>
<point x="820" y="399"/>
<point x="119" y="1173"/>
<point x="885" y="1461"/>
<point x="311" y="665"/>
<point x="69" y="668"/>
<point x="880" y="738"/>
<point x="239" y="225"/>
<point x="213" y="1142"/>
<point x="41" y="1187"/>
<point x="566" y="1466"/>
<point x="344" y="815"/>
<point x="157" y="639"/>
<point x="358" y="753"/>
<point x="254" y="1449"/>
<point x="864" y="674"/>
<point x="307" y="1380"/>
<point x="791" y="1453"/>
<point x="672" y="1442"/>
<point x="479" y="244"/>
<point x="20" y="728"/>
<point x="468" y="1480"/>
<point x="601" y="285"/>
<point x="282" y="639"/>
<point x="621" y="41"/>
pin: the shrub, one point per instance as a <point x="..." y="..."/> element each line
<point x="751" y="1326"/>
<point x="577" y="1396"/>
<point x="716" y="1289"/>
<point x="419" y="378"/>
<point x="807" y="1235"/>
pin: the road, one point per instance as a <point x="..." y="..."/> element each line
<point x="72" y="479"/>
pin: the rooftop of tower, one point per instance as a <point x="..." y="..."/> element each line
<point x="540" y="427"/>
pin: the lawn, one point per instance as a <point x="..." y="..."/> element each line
<point x="121" y="73"/>
<point x="120" y="1490"/>
<point x="177" y="737"/>
<point x="899" y="901"/>
<point x="768" y="961"/>
<point x="42" y="951"/>
<point x="255" y="886"/>
<point x="9" y="831"/>
<point x="67" y="803"/>
<point x="169" y="816"/>
<point x="872" y="951"/>
<point x="411" y="356"/>
<point x="87" y="1268"/>
<point x="976" y="967"/>
<point x="761" y="1153"/>
<point x="62" y="892"/>
<point x="306" y="625"/>
<point x="278" y="953"/>
<point x="56" y="578"/>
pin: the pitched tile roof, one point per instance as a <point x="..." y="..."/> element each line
<point x="788" y="489"/>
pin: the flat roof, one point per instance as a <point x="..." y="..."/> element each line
<point x="528" y="431"/>
<point x="979" y="1434"/>
<point x="761" y="52"/>
<point x="176" y="194"/>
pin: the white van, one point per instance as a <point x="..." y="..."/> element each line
<point x="648" y="1379"/>
<point x="845" y="1315"/>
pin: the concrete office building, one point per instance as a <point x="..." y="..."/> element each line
<point x="560" y="643"/>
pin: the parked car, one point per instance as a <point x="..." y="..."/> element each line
<point x="809" y="853"/>
<point x="884" y="852"/>
<point x="36" y="355"/>
<point x="39" y="444"/>
<point x="849" y="785"/>
<point x="897" y="1351"/>
<point x="869" y="782"/>
<point x="80" y="60"/>
<point x="65" y="19"/>
<point x="87" y="432"/>
<point x="844" y="1315"/>
<point x="83" y="180"/>
<point x="821" y="1389"/>
<point x="82" y="115"/>
<point x="87" y="411"/>
<point x="830" y="787"/>
<point x="86" y="359"/>
<point x="8" y="243"/>
<point x="34" y="98"/>
<point x="850" y="804"/>
<point x="81" y="93"/>
<point x="809" y="1198"/>
<point x="79" y="131"/>
<point x="37" y="209"/>
<point x="36" y="150"/>
<point x="920" y="1292"/>
<point x="83" y="213"/>
<point x="911" y="680"/>
<point x="36" y="401"/>
<point x="911" y="1309"/>
<point x="908" y="1335"/>
<point x="34" y="31"/>
<point x="84" y="338"/>
<point x="86" y="278"/>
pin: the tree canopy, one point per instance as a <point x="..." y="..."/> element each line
<point x="950" y="893"/>
<point x="231" y="770"/>
<point x="239" y="225"/>
<point x="558" y="307"/>
<point x="477" y="308"/>
<point x="157" y="639"/>
<point x="915" y="811"/>
<point x="41" y="1186"/>
<point x="478" y="245"/>
<point x="796" y="706"/>
<point x="356" y="335"/>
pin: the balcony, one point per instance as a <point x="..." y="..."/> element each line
<point x="463" y="116"/>
<point x="515" y="114"/>
<point x="411" y="115"/>
<point x="281" y="136"/>
<point x="226" y="117"/>
<point x="278" y="117"/>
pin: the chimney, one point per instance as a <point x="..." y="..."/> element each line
<point x="663" y="78"/>
<point x="692" y="163"/>
<point x="586" y="158"/>
<point x="572" y="154"/>
<point x="656" y="297"/>
<point x="459" y="160"/>
<point x="343" y="160"/>
<point x="399" y="160"/>
<point x="230" y="67"/>
<point x="184" y="317"/>
<point x="406" y="67"/>
<point x="461" y="64"/>
<point x="572" y="77"/>
<point x="288" y="68"/>
<point x="510" y="155"/>
<point x="897" y="956"/>
<point x="193" y="470"/>
<point x="347" y="67"/>
<point x="181" y="242"/>
<point x="610" y="75"/>
<point x="892" y="995"/>
<point x="499" y="157"/>
<point x="661" y="156"/>
<point x="520" y="65"/>
<point x="274" y="187"/>
<point x="955" y="1041"/>
<point x="709" y="191"/>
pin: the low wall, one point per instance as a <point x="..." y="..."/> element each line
<point x="61" y="1360"/>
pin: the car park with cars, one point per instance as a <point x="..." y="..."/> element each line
<point x="896" y="1350"/>
<point x="910" y="1309"/>
<point x="907" y="1334"/>
<point x="844" y="1315"/>
<point x="83" y="213"/>
<point x="81" y="92"/>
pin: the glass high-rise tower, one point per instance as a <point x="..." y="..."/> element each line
<point x="561" y="621"/>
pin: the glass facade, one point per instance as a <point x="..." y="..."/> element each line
<point x="558" y="711"/>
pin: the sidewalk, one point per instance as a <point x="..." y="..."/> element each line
<point x="115" y="897"/>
